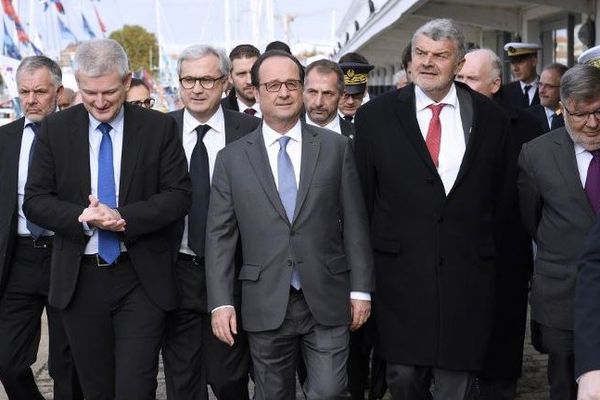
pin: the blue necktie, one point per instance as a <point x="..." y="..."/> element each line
<point x="286" y="181"/>
<point x="35" y="230"/>
<point x="108" y="241"/>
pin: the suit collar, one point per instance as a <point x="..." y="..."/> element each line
<point x="132" y="142"/>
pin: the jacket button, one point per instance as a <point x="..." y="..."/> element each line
<point x="292" y="233"/>
<point x="290" y="263"/>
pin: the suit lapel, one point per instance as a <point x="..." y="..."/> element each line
<point x="311" y="145"/>
<point x="131" y="147"/>
<point x="80" y="137"/>
<point x="567" y="165"/>
<point x="10" y="176"/>
<point x="472" y="137"/>
<point x="257" y="155"/>
<point x="232" y="127"/>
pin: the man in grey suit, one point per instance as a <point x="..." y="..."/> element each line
<point x="559" y="187"/>
<point x="290" y="191"/>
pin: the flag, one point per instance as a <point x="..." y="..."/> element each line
<point x="65" y="32"/>
<point x="9" y="10"/>
<point x="87" y="28"/>
<point x="100" y="23"/>
<point x="36" y="51"/>
<point x="21" y="34"/>
<point x="59" y="7"/>
<point x="45" y="4"/>
<point x="9" y="48"/>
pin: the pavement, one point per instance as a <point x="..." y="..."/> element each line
<point x="532" y="385"/>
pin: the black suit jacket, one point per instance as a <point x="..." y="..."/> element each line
<point x="154" y="194"/>
<point x="10" y="146"/>
<point x="434" y="253"/>
<point x="513" y="96"/>
<point x="237" y="125"/>
<point x="539" y="112"/>
<point x="347" y="128"/>
<point x="229" y="102"/>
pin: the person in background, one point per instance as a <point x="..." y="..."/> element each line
<point x="66" y="99"/>
<point x="523" y="92"/>
<point x="548" y="112"/>
<point x="241" y="96"/>
<point x="356" y="74"/>
<point x="139" y="94"/>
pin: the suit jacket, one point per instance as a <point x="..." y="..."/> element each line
<point x="587" y="305"/>
<point x="10" y="147"/>
<point x="434" y="253"/>
<point x="327" y="240"/>
<point x="557" y="214"/>
<point x="237" y="125"/>
<point x="154" y="194"/>
<point x="539" y="112"/>
<point x="347" y="128"/>
<point x="229" y="102"/>
<point x="513" y="96"/>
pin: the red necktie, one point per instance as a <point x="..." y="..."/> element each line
<point x="250" y="111"/>
<point x="434" y="133"/>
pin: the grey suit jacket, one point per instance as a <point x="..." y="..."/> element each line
<point x="557" y="214"/>
<point x="327" y="240"/>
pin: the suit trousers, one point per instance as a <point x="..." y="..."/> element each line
<point x="558" y="344"/>
<point x="324" y="349"/>
<point x="495" y="389"/>
<point x="115" y="333"/>
<point x="22" y="302"/>
<point x="409" y="382"/>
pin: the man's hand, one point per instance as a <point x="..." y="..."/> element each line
<point x="224" y="325"/>
<point x="101" y="216"/>
<point x="589" y="386"/>
<point x="360" y="311"/>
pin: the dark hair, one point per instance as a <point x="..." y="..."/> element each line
<point x="558" y="67"/>
<point x="138" y="82"/>
<point x="243" y="51"/>
<point x="273" y="53"/>
<point x="353" y="57"/>
<point x="406" y="56"/>
<point x="278" y="45"/>
<point x="326" y="66"/>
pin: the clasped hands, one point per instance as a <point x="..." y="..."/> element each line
<point x="102" y="216"/>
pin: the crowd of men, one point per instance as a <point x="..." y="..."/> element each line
<point x="293" y="228"/>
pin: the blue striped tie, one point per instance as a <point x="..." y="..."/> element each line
<point x="108" y="241"/>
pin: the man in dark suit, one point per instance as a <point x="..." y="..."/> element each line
<point x="110" y="179"/>
<point x="431" y="161"/>
<point x="548" y="111"/>
<point x="558" y="189"/>
<point x="323" y="88"/>
<point x="356" y="77"/>
<point x="25" y="248"/>
<point x="502" y="367"/>
<point x="523" y="92"/>
<point x="290" y="192"/>
<point x="241" y="96"/>
<point x="189" y="339"/>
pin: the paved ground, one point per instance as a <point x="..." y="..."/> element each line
<point x="532" y="385"/>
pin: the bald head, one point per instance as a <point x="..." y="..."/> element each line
<point x="481" y="71"/>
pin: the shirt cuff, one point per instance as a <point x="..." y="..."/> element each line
<point x="360" y="296"/>
<point x="218" y="308"/>
<point x="86" y="229"/>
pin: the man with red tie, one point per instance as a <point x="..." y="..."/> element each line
<point x="431" y="161"/>
<point x="241" y="96"/>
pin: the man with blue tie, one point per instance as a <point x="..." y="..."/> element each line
<point x="290" y="192"/>
<point x="110" y="179"/>
<point x="25" y="248"/>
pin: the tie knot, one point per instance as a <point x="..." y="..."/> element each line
<point x="526" y="88"/>
<point x="348" y="118"/>
<point x="201" y="130"/>
<point x="34" y="127"/>
<point x="283" y="141"/>
<point x="104" y="128"/>
<point x="250" y="111"/>
<point x="436" y="108"/>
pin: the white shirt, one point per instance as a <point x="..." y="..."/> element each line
<point x="531" y="92"/>
<point x="95" y="137"/>
<point x="214" y="140"/>
<point x="452" y="145"/>
<point x="333" y="125"/>
<point x="583" y="158"/>
<point x="242" y="107"/>
<point x="26" y="142"/>
<point x="294" y="149"/>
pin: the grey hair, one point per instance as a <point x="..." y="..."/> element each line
<point x="197" y="51"/>
<point x="440" y="29"/>
<point x="33" y="63"/>
<point x="99" y="57"/>
<point x="494" y="60"/>
<point x="580" y="83"/>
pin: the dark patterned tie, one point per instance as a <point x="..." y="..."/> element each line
<point x="592" y="182"/>
<point x="526" y="95"/>
<point x="557" y="121"/>
<point x="250" y="111"/>
<point x="349" y="118"/>
<point x="200" y="176"/>
<point x="35" y="230"/>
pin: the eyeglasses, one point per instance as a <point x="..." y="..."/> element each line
<point x="547" y="86"/>
<point x="356" y="97"/>
<point x="581" y="118"/>
<point x="146" y="103"/>
<point x="275" y="86"/>
<point x="207" y="82"/>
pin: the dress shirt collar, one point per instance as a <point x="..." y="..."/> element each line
<point x="242" y="106"/>
<point x="333" y="125"/>
<point x="271" y="136"/>
<point x="116" y="123"/>
<point x="533" y="84"/>
<point x="579" y="150"/>
<point x="216" y="122"/>
<point x="423" y="101"/>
